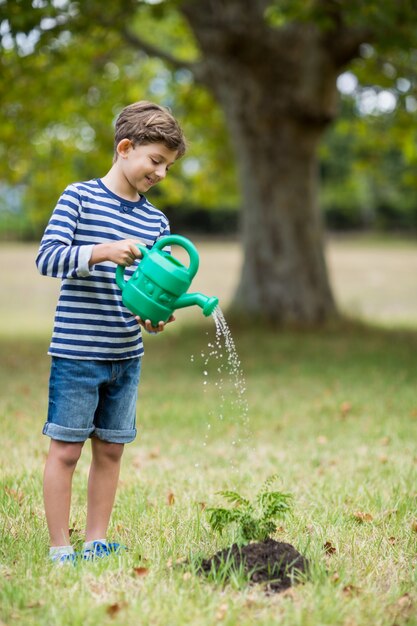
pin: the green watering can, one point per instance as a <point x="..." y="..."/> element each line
<point x="160" y="281"/>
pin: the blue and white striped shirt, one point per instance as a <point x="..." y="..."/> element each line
<point x="91" y="321"/>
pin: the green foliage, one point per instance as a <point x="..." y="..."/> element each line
<point x="62" y="88"/>
<point x="67" y="69"/>
<point x="253" y="520"/>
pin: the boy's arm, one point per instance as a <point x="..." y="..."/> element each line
<point x="57" y="255"/>
<point x="60" y="258"/>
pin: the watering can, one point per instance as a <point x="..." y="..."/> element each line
<point x="160" y="281"/>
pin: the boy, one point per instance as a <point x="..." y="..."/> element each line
<point x="96" y="346"/>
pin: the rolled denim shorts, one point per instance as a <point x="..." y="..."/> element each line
<point x="90" y="398"/>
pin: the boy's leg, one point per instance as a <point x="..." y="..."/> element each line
<point x="59" y="469"/>
<point x="102" y="486"/>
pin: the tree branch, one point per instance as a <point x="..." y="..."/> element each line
<point x="344" y="44"/>
<point x="140" y="44"/>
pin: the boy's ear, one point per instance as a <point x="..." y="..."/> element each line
<point x="123" y="147"/>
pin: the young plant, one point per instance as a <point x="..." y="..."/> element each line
<point x="253" y="520"/>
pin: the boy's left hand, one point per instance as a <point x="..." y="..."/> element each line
<point x="147" y="324"/>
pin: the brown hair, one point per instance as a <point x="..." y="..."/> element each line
<point x="145" y="122"/>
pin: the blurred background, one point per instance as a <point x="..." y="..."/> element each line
<point x="301" y="122"/>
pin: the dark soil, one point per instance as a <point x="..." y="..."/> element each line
<point x="277" y="565"/>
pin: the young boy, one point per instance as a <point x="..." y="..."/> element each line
<point x="96" y="346"/>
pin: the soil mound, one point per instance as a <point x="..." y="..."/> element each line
<point x="273" y="563"/>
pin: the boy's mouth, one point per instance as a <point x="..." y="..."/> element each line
<point x="149" y="180"/>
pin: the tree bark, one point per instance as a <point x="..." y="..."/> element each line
<point x="277" y="88"/>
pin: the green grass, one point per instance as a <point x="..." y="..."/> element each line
<point x="333" y="412"/>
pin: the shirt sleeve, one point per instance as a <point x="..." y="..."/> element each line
<point x="57" y="256"/>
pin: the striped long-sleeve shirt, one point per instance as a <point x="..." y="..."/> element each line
<point x="91" y="321"/>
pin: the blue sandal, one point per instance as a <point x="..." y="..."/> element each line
<point x="64" y="559"/>
<point x="100" y="550"/>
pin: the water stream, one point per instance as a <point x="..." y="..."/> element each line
<point x="222" y="369"/>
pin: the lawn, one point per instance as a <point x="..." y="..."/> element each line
<point x="333" y="412"/>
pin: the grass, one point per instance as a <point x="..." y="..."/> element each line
<point x="333" y="412"/>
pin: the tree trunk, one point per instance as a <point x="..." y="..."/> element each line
<point x="284" y="276"/>
<point x="277" y="88"/>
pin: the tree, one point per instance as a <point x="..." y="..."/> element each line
<point x="272" y="67"/>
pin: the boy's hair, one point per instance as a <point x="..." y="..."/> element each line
<point x="146" y="122"/>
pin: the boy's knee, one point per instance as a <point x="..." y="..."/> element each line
<point x="108" y="451"/>
<point x="67" y="453"/>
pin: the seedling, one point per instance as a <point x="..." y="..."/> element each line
<point x="253" y="520"/>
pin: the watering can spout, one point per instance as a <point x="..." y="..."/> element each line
<point x="189" y="299"/>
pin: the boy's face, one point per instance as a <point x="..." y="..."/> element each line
<point x="144" y="165"/>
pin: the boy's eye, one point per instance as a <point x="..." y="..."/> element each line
<point x="155" y="161"/>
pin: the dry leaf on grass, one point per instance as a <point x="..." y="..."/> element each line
<point x="115" y="608"/>
<point x="18" y="496"/>
<point x="345" y="408"/>
<point x="329" y="547"/>
<point x="141" y="571"/>
<point x="221" y="612"/>
<point x="351" y="590"/>
<point x="362" y="517"/>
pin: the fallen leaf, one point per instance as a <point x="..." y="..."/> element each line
<point x="362" y="517"/>
<point x="187" y="576"/>
<point x="180" y="560"/>
<point x="329" y="547"/>
<point x="202" y="505"/>
<point x="392" y="540"/>
<point x="383" y="458"/>
<point x="405" y="601"/>
<point x="154" y="453"/>
<point x="345" y="407"/>
<point x="402" y="608"/>
<point x="170" y="499"/>
<point x="335" y="577"/>
<point x="351" y="590"/>
<point x="18" y="496"/>
<point x="221" y="612"/>
<point x="120" y="528"/>
<point x="35" y="605"/>
<point x="141" y="571"/>
<point x="414" y="526"/>
<point x="113" y="609"/>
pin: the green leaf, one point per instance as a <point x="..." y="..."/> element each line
<point x="234" y="498"/>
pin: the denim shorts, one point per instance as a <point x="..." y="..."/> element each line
<point x="92" y="399"/>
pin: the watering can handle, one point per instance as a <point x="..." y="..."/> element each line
<point x="120" y="269"/>
<point x="185" y="243"/>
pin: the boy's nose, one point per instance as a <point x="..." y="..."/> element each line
<point x="161" y="171"/>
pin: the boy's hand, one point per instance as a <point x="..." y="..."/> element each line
<point x="147" y="325"/>
<point x="123" y="252"/>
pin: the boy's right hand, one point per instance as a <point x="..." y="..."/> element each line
<point x="123" y="252"/>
